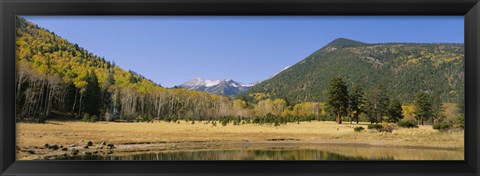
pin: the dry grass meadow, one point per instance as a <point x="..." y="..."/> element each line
<point x="67" y="133"/>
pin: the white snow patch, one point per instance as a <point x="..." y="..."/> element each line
<point x="279" y="72"/>
<point x="196" y="82"/>
<point x="210" y="83"/>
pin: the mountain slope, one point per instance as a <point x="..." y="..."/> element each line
<point x="59" y="79"/>
<point x="403" y="68"/>
<point x="218" y="87"/>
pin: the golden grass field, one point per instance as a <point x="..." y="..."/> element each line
<point x="78" y="133"/>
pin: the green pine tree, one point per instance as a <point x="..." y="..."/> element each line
<point x="423" y="107"/>
<point x="394" y="111"/>
<point x="337" y="98"/>
<point x="357" y="103"/>
<point x="92" y="95"/>
<point x="379" y="102"/>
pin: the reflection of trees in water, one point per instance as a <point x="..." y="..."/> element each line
<point x="304" y="154"/>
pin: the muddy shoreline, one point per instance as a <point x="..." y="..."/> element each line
<point x="44" y="153"/>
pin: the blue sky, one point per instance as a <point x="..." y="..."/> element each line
<point x="171" y="50"/>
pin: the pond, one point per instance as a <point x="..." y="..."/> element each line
<point x="323" y="153"/>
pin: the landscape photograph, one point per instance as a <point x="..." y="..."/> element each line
<point x="239" y="88"/>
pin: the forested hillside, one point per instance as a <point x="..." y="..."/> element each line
<point x="56" y="78"/>
<point x="404" y="69"/>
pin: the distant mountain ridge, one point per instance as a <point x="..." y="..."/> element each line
<point x="225" y="87"/>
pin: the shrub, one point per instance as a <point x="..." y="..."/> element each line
<point x="375" y="126"/>
<point x="148" y="118"/>
<point x="94" y="118"/>
<point x="86" y="117"/>
<point x="168" y="118"/>
<point x="382" y="127"/>
<point x="237" y="120"/>
<point x="460" y="122"/>
<point x="358" y="129"/>
<point x="256" y="119"/>
<point x="444" y="126"/>
<point x="224" y="120"/>
<point x="407" y="124"/>
<point x="139" y="118"/>
<point x="42" y="120"/>
<point x="388" y="127"/>
<point x="277" y="122"/>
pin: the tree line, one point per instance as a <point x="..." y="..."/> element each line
<point x="379" y="106"/>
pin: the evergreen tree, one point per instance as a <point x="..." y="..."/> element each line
<point x="357" y="103"/>
<point x="337" y="98"/>
<point x="117" y="105"/>
<point x="423" y="107"/>
<point x="394" y="111"/>
<point x="438" y="110"/>
<point x="461" y="103"/>
<point x="92" y="95"/>
<point x="369" y="109"/>
<point x="132" y="77"/>
<point x="379" y="101"/>
<point x="110" y="79"/>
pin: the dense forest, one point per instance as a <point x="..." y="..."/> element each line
<point x="57" y="79"/>
<point x="403" y="68"/>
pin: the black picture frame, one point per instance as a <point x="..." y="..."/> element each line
<point x="470" y="9"/>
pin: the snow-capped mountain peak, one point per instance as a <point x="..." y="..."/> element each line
<point x="227" y="87"/>
<point x="194" y="82"/>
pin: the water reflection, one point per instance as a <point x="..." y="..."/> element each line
<point x="329" y="152"/>
<point x="300" y="154"/>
